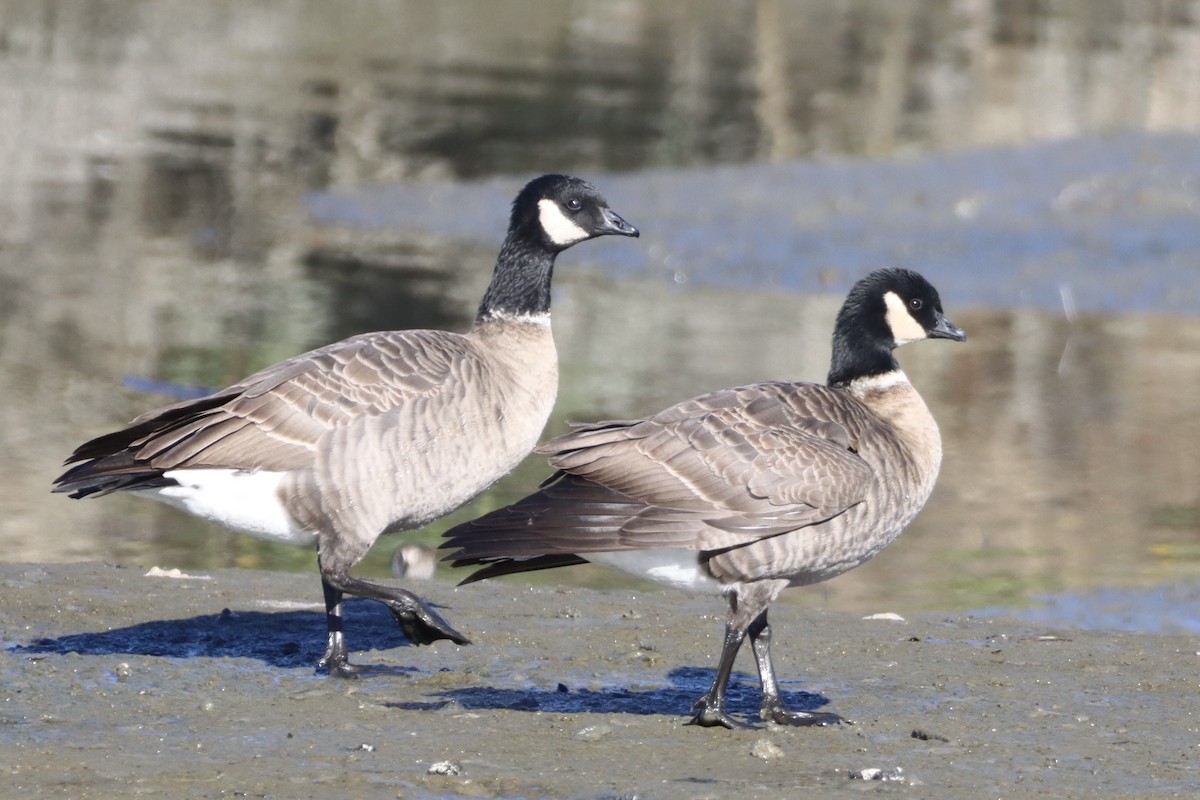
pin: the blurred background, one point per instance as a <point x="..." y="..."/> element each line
<point x="192" y="191"/>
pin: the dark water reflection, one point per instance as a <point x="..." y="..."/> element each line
<point x="159" y="158"/>
<point x="1071" y="446"/>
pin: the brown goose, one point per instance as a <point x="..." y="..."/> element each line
<point x="378" y="433"/>
<point x="745" y="491"/>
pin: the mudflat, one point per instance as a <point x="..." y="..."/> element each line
<point x="116" y="683"/>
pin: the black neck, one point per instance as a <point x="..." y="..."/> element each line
<point x="521" y="280"/>
<point x="858" y="356"/>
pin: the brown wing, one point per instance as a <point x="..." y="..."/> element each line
<point x="274" y="419"/>
<point x="713" y="472"/>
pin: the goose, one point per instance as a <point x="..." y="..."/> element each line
<point x="744" y="491"/>
<point x="382" y="432"/>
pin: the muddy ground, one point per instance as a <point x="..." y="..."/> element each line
<point x="116" y="684"/>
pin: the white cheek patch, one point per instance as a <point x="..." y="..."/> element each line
<point x="904" y="327"/>
<point x="561" y="230"/>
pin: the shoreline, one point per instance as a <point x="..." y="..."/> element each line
<point x="118" y="682"/>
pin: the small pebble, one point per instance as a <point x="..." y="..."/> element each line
<point x="877" y="774"/>
<point x="593" y="733"/>
<point x="451" y="708"/>
<point x="159" y="572"/>
<point x="444" y="768"/>
<point x="766" y="750"/>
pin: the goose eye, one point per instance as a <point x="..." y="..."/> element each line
<point x="574" y="204"/>
<point x="916" y="304"/>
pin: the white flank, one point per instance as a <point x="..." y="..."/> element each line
<point x="904" y="327"/>
<point x="243" y="501"/>
<point x="675" y="567"/>
<point x="561" y="230"/>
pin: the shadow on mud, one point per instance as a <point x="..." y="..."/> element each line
<point x="284" y="639"/>
<point x="296" y="640"/>
<point x="686" y="685"/>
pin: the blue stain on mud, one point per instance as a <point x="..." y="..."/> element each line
<point x="284" y="639"/>
<point x="684" y="686"/>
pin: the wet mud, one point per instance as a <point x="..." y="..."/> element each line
<point x="116" y="683"/>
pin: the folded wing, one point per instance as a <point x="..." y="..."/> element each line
<point x="711" y="473"/>
<point x="276" y="418"/>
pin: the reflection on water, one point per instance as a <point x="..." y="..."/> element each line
<point x="1070" y="447"/>
<point x="154" y="158"/>
<point x="313" y="93"/>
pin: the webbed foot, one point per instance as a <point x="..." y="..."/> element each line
<point x="420" y="623"/>
<point x="712" y="714"/>
<point x="336" y="660"/>
<point x="782" y="716"/>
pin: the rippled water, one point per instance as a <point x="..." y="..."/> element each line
<point x="193" y="191"/>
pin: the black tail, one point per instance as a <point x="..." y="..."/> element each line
<point x="107" y="475"/>
<point x="512" y="566"/>
<point x="550" y="528"/>
<point x="110" y="463"/>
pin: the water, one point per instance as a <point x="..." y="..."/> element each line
<point x="1168" y="608"/>
<point x="193" y="191"/>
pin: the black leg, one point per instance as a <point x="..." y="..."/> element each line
<point x="420" y="623"/>
<point x="712" y="705"/>
<point x="336" y="658"/>
<point x="772" y="704"/>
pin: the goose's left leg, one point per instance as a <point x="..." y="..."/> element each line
<point x="772" y="703"/>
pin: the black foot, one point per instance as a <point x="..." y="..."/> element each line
<point x="420" y="623"/>
<point x="781" y="716"/>
<point x="712" y="715"/>
<point x="336" y="661"/>
<point x="343" y="669"/>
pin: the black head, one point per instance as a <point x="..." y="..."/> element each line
<point x="558" y="211"/>
<point x="549" y="215"/>
<point x="884" y="310"/>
